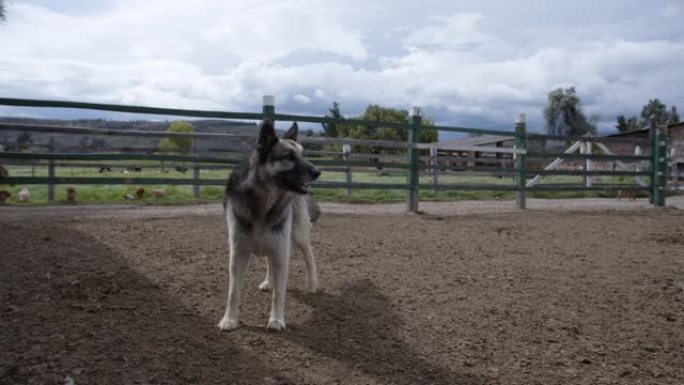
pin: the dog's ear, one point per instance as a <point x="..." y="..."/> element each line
<point x="292" y="132"/>
<point x="267" y="138"/>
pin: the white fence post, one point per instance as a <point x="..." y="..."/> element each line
<point x="588" y="165"/>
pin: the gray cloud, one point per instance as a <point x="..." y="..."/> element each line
<point x="463" y="61"/>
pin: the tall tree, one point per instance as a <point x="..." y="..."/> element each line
<point x="655" y="109"/>
<point x="330" y="129"/>
<point x="564" y="116"/>
<point x="2" y="10"/>
<point x="177" y="145"/>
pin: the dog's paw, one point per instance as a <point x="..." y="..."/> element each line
<point x="228" y="324"/>
<point x="276" y="325"/>
<point x="312" y="283"/>
<point x="264" y="286"/>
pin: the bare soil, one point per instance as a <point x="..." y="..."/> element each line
<point x="506" y="297"/>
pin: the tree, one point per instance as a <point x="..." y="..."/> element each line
<point x="674" y="116"/>
<point x="330" y="129"/>
<point x="627" y="124"/>
<point x="98" y="143"/>
<point x="2" y="10"/>
<point x="658" y="110"/>
<point x="383" y="114"/>
<point x="655" y="109"/>
<point x="24" y="140"/>
<point x="177" y="145"/>
<point x="564" y="116"/>
<point x="84" y="142"/>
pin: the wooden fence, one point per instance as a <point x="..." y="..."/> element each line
<point x="519" y="161"/>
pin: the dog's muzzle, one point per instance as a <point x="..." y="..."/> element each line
<point x="299" y="182"/>
<point x="303" y="188"/>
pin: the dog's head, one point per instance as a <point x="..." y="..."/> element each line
<point x="282" y="159"/>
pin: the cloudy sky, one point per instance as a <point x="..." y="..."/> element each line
<point x="469" y="63"/>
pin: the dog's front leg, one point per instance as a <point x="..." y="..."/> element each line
<point x="279" y="261"/>
<point x="238" y="263"/>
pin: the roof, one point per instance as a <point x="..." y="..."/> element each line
<point x="475" y="140"/>
<point x="639" y="132"/>
<point x="644" y="131"/>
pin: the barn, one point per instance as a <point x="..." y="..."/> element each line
<point x="675" y="134"/>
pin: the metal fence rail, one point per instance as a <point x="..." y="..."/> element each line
<point x="516" y="161"/>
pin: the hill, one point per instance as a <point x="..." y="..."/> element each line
<point x="12" y="140"/>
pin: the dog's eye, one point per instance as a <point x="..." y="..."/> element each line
<point x="291" y="156"/>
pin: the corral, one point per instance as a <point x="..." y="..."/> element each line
<point x="122" y="296"/>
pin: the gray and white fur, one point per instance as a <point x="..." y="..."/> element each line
<point x="267" y="206"/>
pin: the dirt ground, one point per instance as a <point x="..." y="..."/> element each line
<point x="504" y="297"/>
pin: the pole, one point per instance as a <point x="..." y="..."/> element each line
<point x="51" y="174"/>
<point x="268" y="108"/>
<point x="520" y="178"/>
<point x="413" y="174"/>
<point x="434" y="153"/>
<point x="346" y="151"/>
<point x="195" y="172"/>
<point x="659" y="183"/>
<point x="588" y="166"/>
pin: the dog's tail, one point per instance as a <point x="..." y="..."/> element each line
<point x="314" y="209"/>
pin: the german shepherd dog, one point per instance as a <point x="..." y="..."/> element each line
<point x="267" y="206"/>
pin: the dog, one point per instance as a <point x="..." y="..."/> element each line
<point x="267" y="207"/>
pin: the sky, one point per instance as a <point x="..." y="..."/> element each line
<point x="466" y="63"/>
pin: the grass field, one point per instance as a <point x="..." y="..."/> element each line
<point x="177" y="194"/>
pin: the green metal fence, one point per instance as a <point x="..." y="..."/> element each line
<point x="521" y="156"/>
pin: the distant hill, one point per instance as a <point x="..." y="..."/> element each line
<point x="36" y="141"/>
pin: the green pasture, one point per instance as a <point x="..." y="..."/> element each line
<point x="180" y="194"/>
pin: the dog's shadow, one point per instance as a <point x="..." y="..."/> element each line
<point x="360" y="327"/>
